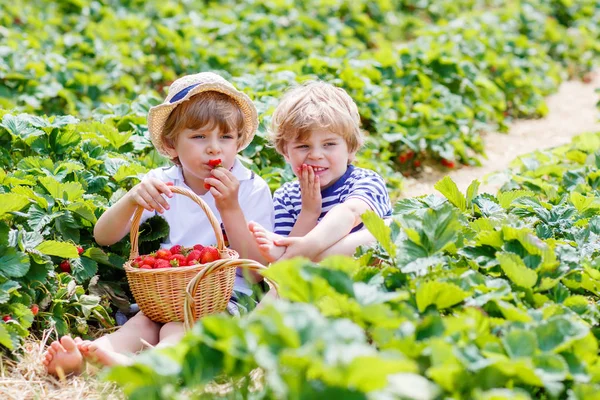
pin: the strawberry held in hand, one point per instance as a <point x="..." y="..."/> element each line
<point x="216" y="163"/>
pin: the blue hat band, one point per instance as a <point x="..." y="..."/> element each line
<point x="183" y="93"/>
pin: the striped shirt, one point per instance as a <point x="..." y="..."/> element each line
<point x="356" y="182"/>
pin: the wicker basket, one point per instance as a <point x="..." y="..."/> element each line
<point x="185" y="294"/>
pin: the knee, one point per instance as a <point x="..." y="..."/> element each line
<point x="171" y="329"/>
<point x="144" y="326"/>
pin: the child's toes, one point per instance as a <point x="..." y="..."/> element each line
<point x="56" y="346"/>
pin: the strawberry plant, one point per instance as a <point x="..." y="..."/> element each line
<point x="464" y="296"/>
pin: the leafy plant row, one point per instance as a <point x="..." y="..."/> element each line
<point x="469" y="296"/>
<point x="58" y="177"/>
<point x="421" y="101"/>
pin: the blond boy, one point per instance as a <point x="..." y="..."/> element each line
<point x="316" y="127"/>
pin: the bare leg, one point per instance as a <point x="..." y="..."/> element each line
<point x="266" y="242"/>
<point x="63" y="357"/>
<point x="171" y="333"/>
<point x="116" y="347"/>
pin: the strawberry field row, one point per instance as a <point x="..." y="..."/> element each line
<point x="473" y="296"/>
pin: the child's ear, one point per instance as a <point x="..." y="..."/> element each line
<point x="351" y="156"/>
<point x="168" y="146"/>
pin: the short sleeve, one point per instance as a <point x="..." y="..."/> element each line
<point x="372" y="190"/>
<point x="257" y="203"/>
<point x="284" y="218"/>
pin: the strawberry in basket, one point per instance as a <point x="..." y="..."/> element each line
<point x="177" y="256"/>
<point x="216" y="163"/>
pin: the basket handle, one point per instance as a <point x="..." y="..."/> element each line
<point x="216" y="266"/>
<point x="135" y="223"/>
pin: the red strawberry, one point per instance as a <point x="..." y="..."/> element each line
<point x="80" y="250"/>
<point x="198" y="247"/>
<point x="417" y="163"/>
<point x="162" y="264"/>
<point x="35" y="309"/>
<point x="209" y="254"/>
<point x="163" y="254"/>
<point x="6" y="318"/>
<point x="215" y="163"/>
<point x="193" y="256"/>
<point x="169" y="183"/>
<point x="65" y="266"/>
<point x="178" y="260"/>
<point x="207" y="186"/>
<point x="175" y="249"/>
<point x="145" y="266"/>
<point x="149" y="260"/>
<point x="448" y="163"/>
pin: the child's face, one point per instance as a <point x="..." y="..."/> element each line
<point x="325" y="151"/>
<point x="196" y="147"/>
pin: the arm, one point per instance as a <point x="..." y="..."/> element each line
<point x="336" y="224"/>
<point x="114" y="224"/>
<point x="225" y="190"/>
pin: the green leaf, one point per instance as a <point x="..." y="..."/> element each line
<point x="13" y="263"/>
<point x="5" y="338"/>
<point x="380" y="231"/>
<point x="506" y="198"/>
<point x="59" y="249"/>
<point x="520" y="343"/>
<point x="472" y="191"/>
<point x="6" y="289"/>
<point x="97" y="255"/>
<point x="558" y="333"/>
<point x="83" y="269"/>
<point x="70" y="191"/>
<point x="448" y="188"/>
<point x="10" y="202"/>
<point x="441" y="294"/>
<point x="516" y="270"/>
<point x="582" y="203"/>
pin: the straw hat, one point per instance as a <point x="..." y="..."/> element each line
<point x="185" y="87"/>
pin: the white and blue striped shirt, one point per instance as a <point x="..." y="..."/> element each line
<point x="356" y="182"/>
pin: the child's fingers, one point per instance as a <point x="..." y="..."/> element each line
<point x="310" y="176"/>
<point x="157" y="200"/>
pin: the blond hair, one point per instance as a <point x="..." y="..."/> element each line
<point x="207" y="111"/>
<point x="314" y="105"/>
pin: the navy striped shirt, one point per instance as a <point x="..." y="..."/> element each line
<point x="356" y="182"/>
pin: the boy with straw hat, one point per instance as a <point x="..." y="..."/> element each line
<point x="203" y="118"/>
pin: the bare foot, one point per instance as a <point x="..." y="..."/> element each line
<point x="63" y="357"/>
<point x="94" y="353"/>
<point x="266" y="242"/>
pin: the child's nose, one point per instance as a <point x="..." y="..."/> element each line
<point x="213" y="148"/>
<point x="315" y="154"/>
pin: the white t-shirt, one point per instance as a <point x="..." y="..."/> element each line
<point x="189" y="224"/>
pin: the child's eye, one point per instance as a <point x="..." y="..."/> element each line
<point x="227" y="136"/>
<point x="302" y="146"/>
<point x="198" y="137"/>
<point x="330" y="144"/>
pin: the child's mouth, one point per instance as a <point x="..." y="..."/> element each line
<point x="319" y="170"/>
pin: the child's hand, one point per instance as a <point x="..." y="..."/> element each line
<point x="149" y="194"/>
<point x="224" y="188"/>
<point x="310" y="190"/>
